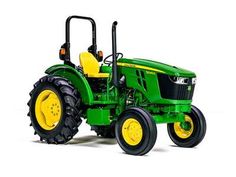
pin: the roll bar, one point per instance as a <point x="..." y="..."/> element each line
<point x="66" y="45"/>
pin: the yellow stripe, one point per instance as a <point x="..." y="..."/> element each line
<point x="139" y="67"/>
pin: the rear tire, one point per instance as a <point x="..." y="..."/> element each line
<point x="136" y="131"/>
<point x="197" y="134"/>
<point x="67" y="107"/>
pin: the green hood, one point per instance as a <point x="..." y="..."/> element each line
<point x="154" y="65"/>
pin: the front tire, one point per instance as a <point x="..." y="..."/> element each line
<point x="54" y="109"/>
<point x="136" y="131"/>
<point x="191" y="132"/>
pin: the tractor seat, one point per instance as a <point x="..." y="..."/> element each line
<point x="91" y="66"/>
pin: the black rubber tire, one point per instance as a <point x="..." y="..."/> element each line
<point x="70" y="119"/>
<point x="107" y="131"/>
<point x="149" y="131"/>
<point x="199" y="130"/>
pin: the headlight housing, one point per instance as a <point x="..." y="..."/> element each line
<point x="176" y="88"/>
<point x="182" y="80"/>
<point x="194" y="80"/>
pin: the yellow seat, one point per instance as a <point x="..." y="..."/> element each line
<point x="91" y="66"/>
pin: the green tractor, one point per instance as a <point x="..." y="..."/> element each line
<point x="121" y="98"/>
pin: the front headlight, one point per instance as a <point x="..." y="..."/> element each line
<point x="179" y="80"/>
<point x="194" y="80"/>
<point x="183" y="80"/>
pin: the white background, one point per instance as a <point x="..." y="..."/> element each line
<point x="197" y="35"/>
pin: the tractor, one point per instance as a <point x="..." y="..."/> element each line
<point x="119" y="98"/>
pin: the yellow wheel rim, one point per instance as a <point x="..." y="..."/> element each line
<point x="48" y="109"/>
<point x="184" y="131"/>
<point x="132" y="131"/>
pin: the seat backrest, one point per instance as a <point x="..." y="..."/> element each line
<point x="89" y="63"/>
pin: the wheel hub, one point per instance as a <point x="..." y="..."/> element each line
<point x="132" y="131"/>
<point x="184" y="129"/>
<point x="48" y="109"/>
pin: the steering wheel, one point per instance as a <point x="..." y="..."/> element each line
<point x="107" y="62"/>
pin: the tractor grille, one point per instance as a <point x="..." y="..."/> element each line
<point x="174" y="91"/>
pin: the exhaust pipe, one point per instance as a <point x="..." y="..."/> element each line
<point x="114" y="56"/>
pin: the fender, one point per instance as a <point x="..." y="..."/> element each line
<point x="76" y="78"/>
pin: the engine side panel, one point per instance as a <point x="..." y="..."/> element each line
<point x="144" y="81"/>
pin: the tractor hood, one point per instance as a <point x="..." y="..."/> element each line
<point x="155" y="66"/>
